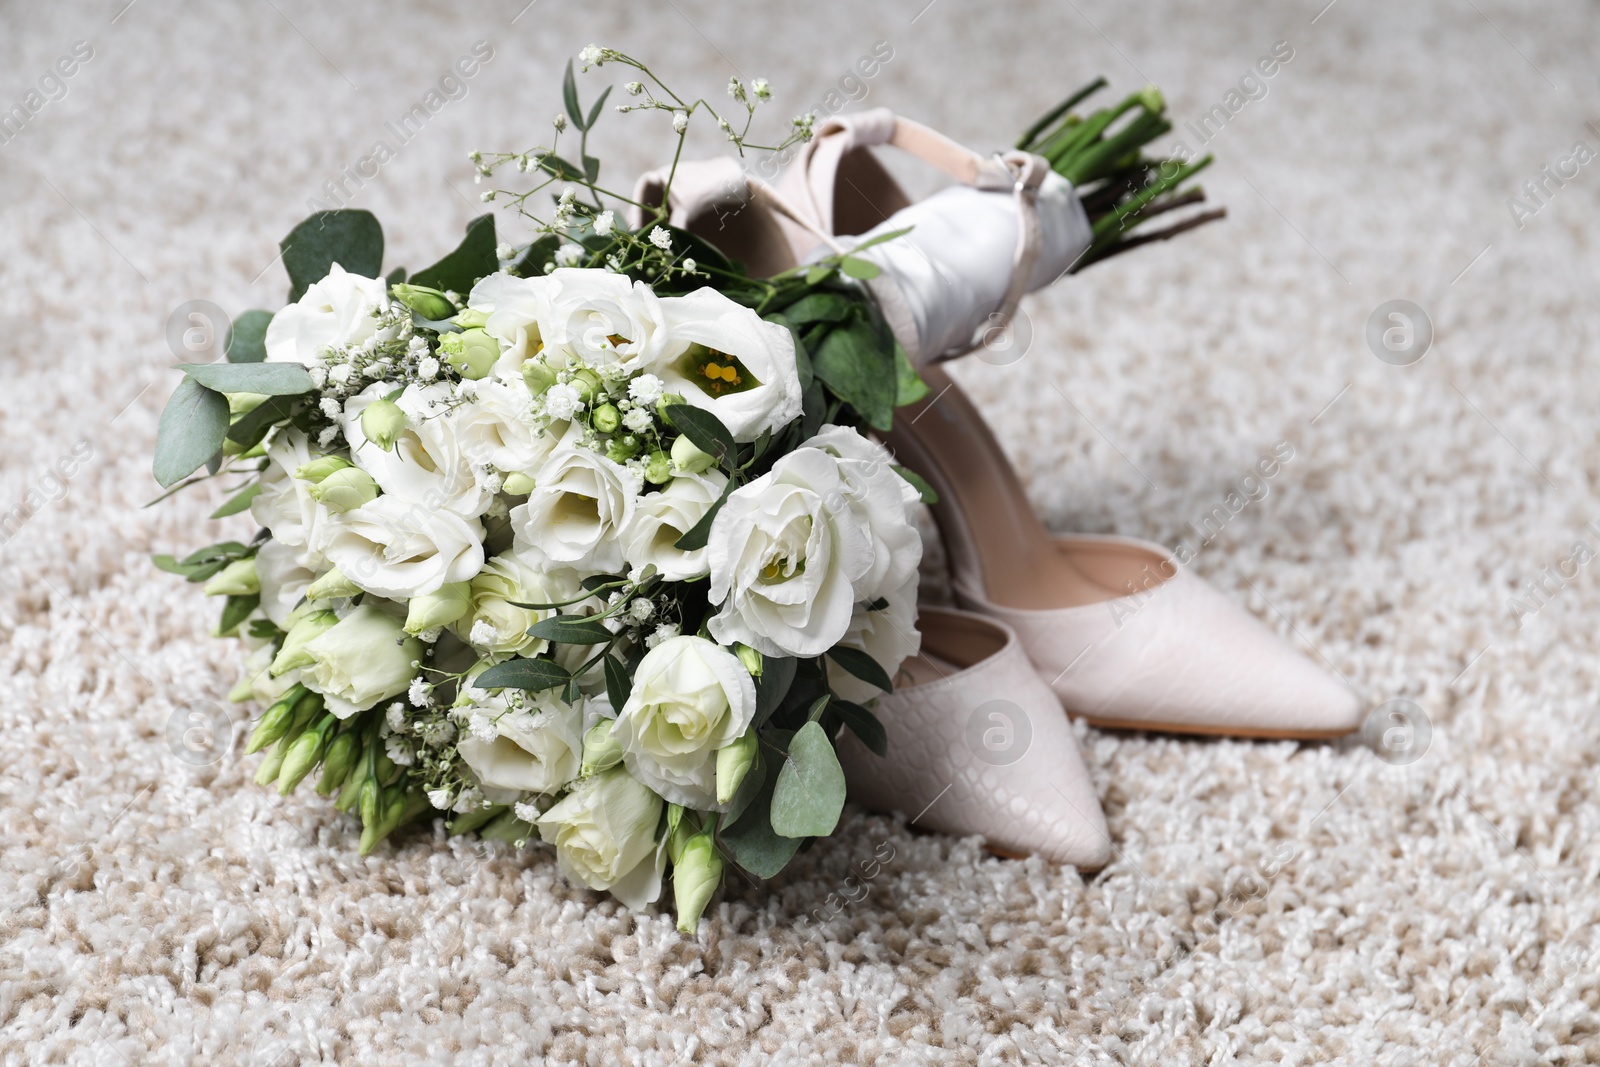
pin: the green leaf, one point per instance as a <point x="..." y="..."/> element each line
<point x="704" y="429"/>
<point x="816" y="274"/>
<point x="571" y="630"/>
<point x="594" y="112"/>
<point x="809" y="794"/>
<point x="862" y="666"/>
<point x="254" y="424"/>
<point x="919" y="483"/>
<point x="777" y="675"/>
<point x="396" y="276"/>
<point x="859" y="268"/>
<point x="273" y="379"/>
<point x="351" y="238"/>
<point x="909" y="386"/>
<point x="752" y="842"/>
<point x="531" y="674"/>
<point x="533" y="259"/>
<point x="822" y="306"/>
<point x="227" y="551"/>
<point x="247" y="337"/>
<point x="618" y="685"/>
<point x="234" y="610"/>
<point x="880" y="239"/>
<point x="855" y="363"/>
<point x="472" y="259"/>
<point x="591" y="169"/>
<point x="865" y="725"/>
<point x="239" y="501"/>
<point x="554" y="164"/>
<point x="192" y="429"/>
<point x="696" y="536"/>
<point x="569" y="96"/>
<point x="172" y="566"/>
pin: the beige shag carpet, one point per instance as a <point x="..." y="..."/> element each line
<point x="1268" y="902"/>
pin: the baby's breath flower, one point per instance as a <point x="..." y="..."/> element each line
<point x="661" y="239"/>
<point x="560" y="123"/>
<point x="428" y="368"/>
<point x="527" y="812"/>
<point x="663" y="632"/>
<point x="591" y="56"/>
<point x="486" y="197"/>
<point x="503" y="251"/>
<point x="646" y="388"/>
<point x="420" y="693"/>
<point x="689" y="264"/>
<point x="398" y="751"/>
<point x="330" y="407"/>
<point x="604" y="223"/>
<point x="760" y="87"/>
<point x="568" y="254"/>
<point x="634" y="88"/>
<point x="680" y="121"/>
<point x="637" y="420"/>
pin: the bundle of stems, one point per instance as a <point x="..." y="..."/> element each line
<point x="1121" y="187"/>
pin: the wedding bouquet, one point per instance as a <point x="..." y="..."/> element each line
<point x="580" y="541"/>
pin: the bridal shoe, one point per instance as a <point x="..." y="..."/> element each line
<point x="1125" y="636"/>
<point x="980" y="747"/>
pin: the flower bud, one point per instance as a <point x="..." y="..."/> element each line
<point x="688" y="459"/>
<point x="332" y="586"/>
<point x="241" y="404"/>
<point x="621" y="449"/>
<point x="267" y="773"/>
<point x="320" y="468"/>
<point x="750" y="658"/>
<point x="587" y="383"/>
<point x="383" y="422"/>
<point x="1151" y="100"/>
<point x="733" y="763"/>
<point x="303" y="755"/>
<point x="658" y="470"/>
<point x="472" y="353"/>
<point x="471" y="318"/>
<point x="429" y="303"/>
<point x="601" y="751"/>
<point x="453" y="600"/>
<point x="275" y="721"/>
<point x="236" y="579"/>
<point x="293" y="653"/>
<point x="350" y="793"/>
<point x="666" y="401"/>
<point x="368" y="804"/>
<point x="345" y="490"/>
<point x="695" y="878"/>
<point x="538" y="376"/>
<point x="517" y="484"/>
<point x="607" y="418"/>
<point x="343" y="751"/>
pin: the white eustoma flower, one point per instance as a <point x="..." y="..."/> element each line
<point x="427" y="465"/>
<point x="604" y="320"/>
<point x="579" y="507"/>
<point x="397" y="549"/>
<point x="785" y="554"/>
<point x="690" y="697"/>
<point x="538" y="742"/>
<point x="285" y="505"/>
<point x="336" y="311"/>
<point x="889" y="635"/>
<point x="660" y="518"/>
<point x="498" y="428"/>
<point x="284" y="579"/>
<point x="364" y="658"/>
<point x="882" y="501"/>
<point x="604" y="832"/>
<point x="495" y="624"/>
<point x="723" y="357"/>
<point x="519" y="313"/>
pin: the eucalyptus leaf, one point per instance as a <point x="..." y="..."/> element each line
<point x="810" y="790"/>
<point x="192" y="429"/>
<point x="273" y="379"/>
<point x="534" y="675"/>
<point x="752" y="842"/>
<point x="472" y="259"/>
<point x="247" y="337"/>
<point x="349" y="237"/>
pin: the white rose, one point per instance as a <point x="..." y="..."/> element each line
<point x="401" y="550"/>
<point x="690" y="697"/>
<point x="285" y="505"/>
<point x="723" y="357"/>
<point x="497" y="428"/>
<point x="785" y="553"/>
<point x="363" y="658"/>
<point x="427" y="465"/>
<point x="660" y="518"/>
<point x="495" y="624"/>
<point x="882" y="501"/>
<point x="519" y="312"/>
<point x="604" y="320"/>
<point x="889" y="635"/>
<point x="538" y="742"/>
<point x="284" y="579"/>
<point x="339" y="310"/>
<point x="604" y="833"/>
<point x="575" y="515"/>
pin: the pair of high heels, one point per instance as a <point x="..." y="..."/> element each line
<point x="1113" y="630"/>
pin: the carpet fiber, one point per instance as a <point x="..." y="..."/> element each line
<point x="1267" y="903"/>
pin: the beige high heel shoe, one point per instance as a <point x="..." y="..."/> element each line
<point x="978" y="745"/>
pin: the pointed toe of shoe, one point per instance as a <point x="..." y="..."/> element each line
<point x="983" y="750"/>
